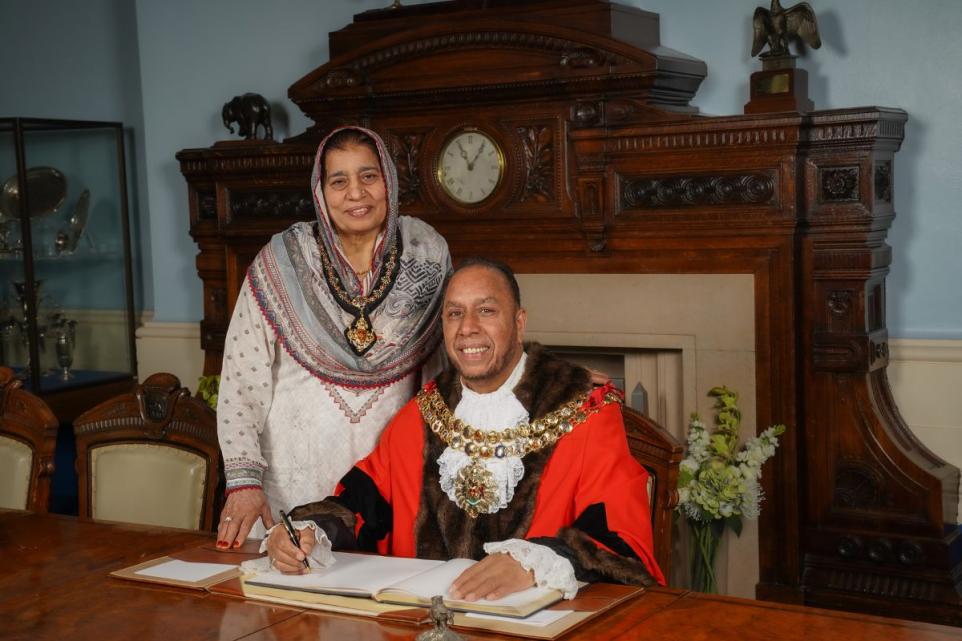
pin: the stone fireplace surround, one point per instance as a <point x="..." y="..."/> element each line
<point x="679" y="335"/>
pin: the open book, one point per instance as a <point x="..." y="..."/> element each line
<point x="399" y="581"/>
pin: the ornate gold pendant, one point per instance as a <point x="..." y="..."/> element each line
<point x="475" y="489"/>
<point x="360" y="335"/>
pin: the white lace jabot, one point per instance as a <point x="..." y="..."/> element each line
<point x="492" y="411"/>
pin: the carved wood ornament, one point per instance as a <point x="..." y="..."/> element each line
<point x="611" y="170"/>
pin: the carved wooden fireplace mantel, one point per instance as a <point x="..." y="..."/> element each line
<point x="608" y="170"/>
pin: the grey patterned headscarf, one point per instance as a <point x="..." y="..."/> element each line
<point x="288" y="283"/>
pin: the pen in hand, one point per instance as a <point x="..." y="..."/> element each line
<point x="286" y="520"/>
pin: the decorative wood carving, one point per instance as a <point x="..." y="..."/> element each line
<point x="839" y="184"/>
<point x="537" y="144"/>
<point x="407" y="147"/>
<point x="839" y="301"/>
<point x="272" y="204"/>
<point x="802" y="203"/>
<point x="857" y="486"/>
<point x="207" y="205"/>
<point x="687" y="191"/>
<point x="883" y="181"/>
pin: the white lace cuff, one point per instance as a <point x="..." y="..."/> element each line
<point x="320" y="556"/>
<point x="551" y="570"/>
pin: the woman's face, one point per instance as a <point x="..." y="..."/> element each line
<point x="354" y="190"/>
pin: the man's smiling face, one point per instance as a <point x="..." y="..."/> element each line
<point x="483" y="327"/>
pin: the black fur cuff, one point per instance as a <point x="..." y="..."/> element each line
<point x="592" y="563"/>
<point x="336" y="520"/>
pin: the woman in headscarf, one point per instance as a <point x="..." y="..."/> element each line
<point x="334" y="330"/>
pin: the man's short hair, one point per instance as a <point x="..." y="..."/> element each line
<point x="489" y="263"/>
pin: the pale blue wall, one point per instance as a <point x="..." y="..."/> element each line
<point x="193" y="56"/>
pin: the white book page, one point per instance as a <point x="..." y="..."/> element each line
<point x="184" y="571"/>
<point x="362" y="573"/>
<point x="438" y="581"/>
<point x="433" y="582"/>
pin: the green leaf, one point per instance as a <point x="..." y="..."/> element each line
<point x="719" y="443"/>
<point x="735" y="524"/>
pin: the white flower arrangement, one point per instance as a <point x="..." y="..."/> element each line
<point x="718" y="482"/>
<point x="717" y="479"/>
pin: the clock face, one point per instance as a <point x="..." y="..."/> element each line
<point x="470" y="166"/>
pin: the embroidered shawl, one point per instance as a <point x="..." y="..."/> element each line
<point x="287" y="281"/>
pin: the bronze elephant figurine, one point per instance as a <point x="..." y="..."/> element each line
<point x="249" y="111"/>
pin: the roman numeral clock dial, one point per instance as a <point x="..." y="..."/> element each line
<point x="470" y="166"/>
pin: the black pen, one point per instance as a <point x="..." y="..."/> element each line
<point x="286" y="520"/>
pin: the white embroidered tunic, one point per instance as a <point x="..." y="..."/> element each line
<point x="281" y="427"/>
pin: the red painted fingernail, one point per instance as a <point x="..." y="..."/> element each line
<point x="222" y="545"/>
<point x="236" y="544"/>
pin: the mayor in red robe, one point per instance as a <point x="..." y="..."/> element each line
<point x="512" y="457"/>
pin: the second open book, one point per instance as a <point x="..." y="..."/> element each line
<point x="399" y="581"/>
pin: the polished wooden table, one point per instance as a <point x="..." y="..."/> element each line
<point x="54" y="585"/>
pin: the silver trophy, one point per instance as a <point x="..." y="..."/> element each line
<point x="66" y="340"/>
<point x="20" y="287"/>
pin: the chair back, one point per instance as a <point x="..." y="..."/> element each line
<point x="150" y="456"/>
<point x="28" y="438"/>
<point x="660" y="453"/>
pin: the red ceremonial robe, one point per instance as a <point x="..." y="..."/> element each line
<point x="585" y="497"/>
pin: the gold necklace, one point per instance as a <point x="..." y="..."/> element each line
<point x="360" y="333"/>
<point x="474" y="489"/>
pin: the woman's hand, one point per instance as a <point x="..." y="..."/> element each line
<point x="239" y="516"/>
<point x="491" y="578"/>
<point x="282" y="553"/>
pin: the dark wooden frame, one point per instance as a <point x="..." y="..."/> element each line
<point x="159" y="412"/>
<point x="26" y="418"/>
<point x="660" y="453"/>
<point x="860" y="515"/>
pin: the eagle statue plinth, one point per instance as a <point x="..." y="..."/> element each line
<point x="780" y="85"/>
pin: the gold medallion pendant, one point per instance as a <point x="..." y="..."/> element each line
<point x="475" y="489"/>
<point x="360" y="335"/>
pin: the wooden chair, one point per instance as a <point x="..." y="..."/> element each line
<point x="28" y="438"/>
<point x="660" y="453"/>
<point x="150" y="456"/>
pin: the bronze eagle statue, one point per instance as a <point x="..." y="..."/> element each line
<point x="774" y="27"/>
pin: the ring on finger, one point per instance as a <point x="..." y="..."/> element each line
<point x="228" y="519"/>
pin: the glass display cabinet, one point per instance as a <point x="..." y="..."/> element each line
<point x="66" y="290"/>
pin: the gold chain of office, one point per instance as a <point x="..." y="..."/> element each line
<point x="475" y="490"/>
<point x="360" y="333"/>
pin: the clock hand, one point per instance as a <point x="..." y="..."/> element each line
<point x="476" y="156"/>
<point x="464" y="154"/>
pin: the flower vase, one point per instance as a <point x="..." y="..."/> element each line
<point x="705" y="537"/>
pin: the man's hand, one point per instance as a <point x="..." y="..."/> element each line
<point x="284" y="556"/>
<point x="598" y="378"/>
<point x="491" y="578"/>
<point x="239" y="515"/>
